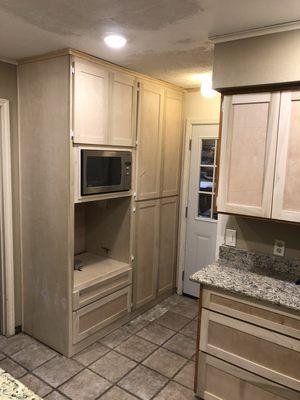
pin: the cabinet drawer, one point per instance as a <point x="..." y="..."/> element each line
<point x="269" y="354"/>
<point x="254" y="312"/>
<point x="101" y="313"/>
<point x="218" y="380"/>
<point x="87" y="295"/>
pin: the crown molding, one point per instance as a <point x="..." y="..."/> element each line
<point x="8" y="60"/>
<point x="265" y="30"/>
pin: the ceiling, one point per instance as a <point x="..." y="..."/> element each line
<point x="167" y="39"/>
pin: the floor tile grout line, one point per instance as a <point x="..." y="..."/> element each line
<point x="138" y="363"/>
<point x="109" y="349"/>
<point x="145" y="366"/>
<point x="28" y="371"/>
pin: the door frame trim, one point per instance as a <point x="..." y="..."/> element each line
<point x="184" y="194"/>
<point x="6" y="222"/>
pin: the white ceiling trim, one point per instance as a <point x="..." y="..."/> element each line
<point x="266" y="30"/>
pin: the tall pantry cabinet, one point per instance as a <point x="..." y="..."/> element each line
<point x="159" y="141"/>
<point x="70" y="101"/>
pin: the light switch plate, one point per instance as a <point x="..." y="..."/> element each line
<point x="279" y="248"/>
<point x="230" y="237"/>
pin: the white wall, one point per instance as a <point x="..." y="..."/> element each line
<point x="199" y="107"/>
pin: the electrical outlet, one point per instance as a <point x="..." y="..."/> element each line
<point x="279" y="248"/>
<point x="230" y="237"/>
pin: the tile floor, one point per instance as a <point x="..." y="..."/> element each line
<point x="151" y="357"/>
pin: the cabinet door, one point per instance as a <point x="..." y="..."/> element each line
<point x="149" y="141"/>
<point x="171" y="148"/>
<point x="286" y="199"/>
<point x="167" y="243"/>
<point x="146" y="251"/>
<point x="95" y="316"/>
<point x="248" y="148"/>
<point x="123" y="109"/>
<point x="218" y="380"/>
<point x="90" y="99"/>
<point x="258" y="350"/>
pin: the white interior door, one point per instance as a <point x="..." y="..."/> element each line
<point x="201" y="233"/>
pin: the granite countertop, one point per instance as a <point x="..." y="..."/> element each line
<point x="11" y="388"/>
<point x="238" y="275"/>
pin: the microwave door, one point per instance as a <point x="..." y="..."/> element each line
<point x="102" y="172"/>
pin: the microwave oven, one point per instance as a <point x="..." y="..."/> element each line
<point x="105" y="171"/>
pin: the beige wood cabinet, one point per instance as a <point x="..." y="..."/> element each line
<point x="90" y="102"/>
<point x="286" y="198"/>
<point x="159" y="142"/>
<point x="172" y="144"/>
<point x="219" y="380"/>
<point x="260" y="156"/>
<point x="246" y="349"/>
<point x="248" y="148"/>
<point x="271" y="355"/>
<point x="122" y="114"/>
<point x="94" y="102"/>
<point x="149" y="140"/>
<point x="104" y="105"/>
<point x="97" y="315"/>
<point x="156" y="225"/>
<point x="146" y="251"/>
<point x="167" y="243"/>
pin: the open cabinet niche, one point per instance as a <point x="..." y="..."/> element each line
<point x="103" y="228"/>
<point x="102" y="257"/>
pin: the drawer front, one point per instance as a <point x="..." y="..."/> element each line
<point x="251" y="311"/>
<point x="218" y="380"/>
<point x="101" y="313"/>
<point x="269" y="354"/>
<point x="85" y="296"/>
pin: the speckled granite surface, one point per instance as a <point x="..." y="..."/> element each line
<point x="255" y="275"/>
<point x="11" y="388"/>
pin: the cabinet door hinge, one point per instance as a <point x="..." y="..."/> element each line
<point x="72" y="70"/>
<point x="182" y="275"/>
<point x="186" y="212"/>
<point x="71" y="135"/>
<point x="190" y="144"/>
<point x="133" y="210"/>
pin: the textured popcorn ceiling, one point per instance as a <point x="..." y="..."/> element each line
<point x="167" y="39"/>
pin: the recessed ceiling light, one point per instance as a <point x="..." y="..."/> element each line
<point x="115" y="41"/>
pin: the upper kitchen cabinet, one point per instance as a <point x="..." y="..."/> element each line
<point x="286" y="198"/>
<point x="150" y="125"/>
<point x="90" y="102"/>
<point x="171" y="147"/>
<point x="159" y="142"/>
<point x="104" y="105"/>
<point x="248" y="152"/>
<point x="123" y="109"/>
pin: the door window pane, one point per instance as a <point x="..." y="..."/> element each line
<point x="208" y="152"/>
<point x="206" y="179"/>
<point x="214" y="211"/>
<point x="204" y="205"/>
